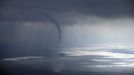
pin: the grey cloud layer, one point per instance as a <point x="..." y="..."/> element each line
<point x="66" y="12"/>
<point x="23" y="10"/>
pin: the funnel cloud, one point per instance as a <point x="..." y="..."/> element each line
<point x="56" y="23"/>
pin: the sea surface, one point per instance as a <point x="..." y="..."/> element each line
<point x="73" y="61"/>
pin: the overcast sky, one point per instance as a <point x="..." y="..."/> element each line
<point x="24" y="24"/>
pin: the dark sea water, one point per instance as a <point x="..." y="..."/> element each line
<point x="73" y="61"/>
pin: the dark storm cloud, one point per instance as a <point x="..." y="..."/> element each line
<point x="65" y="12"/>
<point x="23" y="10"/>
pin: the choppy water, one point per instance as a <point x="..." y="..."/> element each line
<point x="85" y="60"/>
